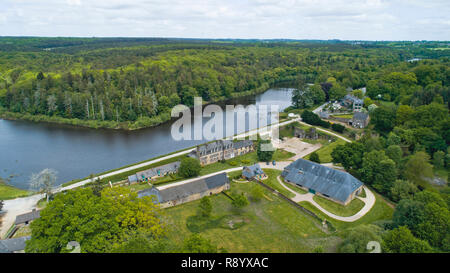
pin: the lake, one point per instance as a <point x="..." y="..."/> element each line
<point x="76" y="152"/>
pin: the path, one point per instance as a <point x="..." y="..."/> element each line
<point x="369" y="201"/>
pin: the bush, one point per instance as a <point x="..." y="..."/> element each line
<point x="338" y="127"/>
<point x="240" y="201"/>
<point x="189" y="167"/>
<point x="314" y="157"/>
<point x="205" y="207"/>
<point x="313" y="119"/>
<point x="233" y="163"/>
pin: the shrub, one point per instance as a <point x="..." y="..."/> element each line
<point x="314" y="157"/>
<point x="189" y="167"/>
<point x="338" y="127"/>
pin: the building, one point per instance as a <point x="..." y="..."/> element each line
<point x="186" y="192"/>
<point x="154" y="173"/>
<point x="338" y="186"/>
<point x="222" y="150"/>
<point x="310" y="133"/>
<point x="253" y="172"/>
<point x="351" y="101"/>
<point x="26" y="218"/>
<point x="14" y="245"/>
<point x="359" y="120"/>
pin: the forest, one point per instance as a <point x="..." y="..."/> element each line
<point x="132" y="83"/>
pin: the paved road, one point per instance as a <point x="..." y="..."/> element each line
<point x="369" y="201"/>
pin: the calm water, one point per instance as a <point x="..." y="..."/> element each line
<point x="74" y="152"/>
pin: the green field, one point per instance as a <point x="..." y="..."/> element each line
<point x="380" y="211"/>
<point x="325" y="151"/>
<point x="10" y="192"/>
<point x="350" y="209"/>
<point x="274" y="183"/>
<point x="270" y="225"/>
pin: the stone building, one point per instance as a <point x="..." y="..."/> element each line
<point x="360" y="120"/>
<point x="253" y="172"/>
<point x="222" y="150"/>
<point x="181" y="193"/>
<point x="154" y="173"/>
<point x="338" y="186"/>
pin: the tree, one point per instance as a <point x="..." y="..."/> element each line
<point x="138" y="242"/>
<point x="338" y="127"/>
<point x="40" y="76"/>
<point x="403" y="189"/>
<point x="408" y="213"/>
<point x="314" y="157"/>
<point x="401" y="240"/>
<point x="349" y="155"/>
<point x="395" y="153"/>
<point x="97" y="186"/>
<point x="44" y="181"/>
<point x="1" y="205"/>
<point x="195" y="243"/>
<point x="418" y="168"/>
<point x="189" y="167"/>
<point x="205" y="207"/>
<point x="257" y="193"/>
<point x="263" y="154"/>
<point x="383" y="118"/>
<point x="240" y="201"/>
<point x="356" y="238"/>
<point x="435" y="227"/>
<point x="378" y="170"/>
<point x="438" y="159"/>
<point x="337" y="92"/>
<point x="97" y="223"/>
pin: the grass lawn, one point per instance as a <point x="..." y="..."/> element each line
<point x="349" y="116"/>
<point x="10" y="192"/>
<point x="273" y="182"/>
<point x="380" y="211"/>
<point x="270" y="225"/>
<point x="282" y="155"/>
<point x="325" y="151"/>
<point x="352" y="208"/>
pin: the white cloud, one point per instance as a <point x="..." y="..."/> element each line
<point x="296" y="19"/>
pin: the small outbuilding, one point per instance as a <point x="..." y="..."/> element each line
<point x="26" y="218"/>
<point x="253" y="172"/>
<point x="14" y="245"/>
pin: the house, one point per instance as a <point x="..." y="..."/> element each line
<point x="338" y="186"/>
<point x="310" y="133"/>
<point x="14" y="245"/>
<point x="359" y="120"/>
<point x="222" y="150"/>
<point x="154" y="173"/>
<point x="253" y="172"/>
<point x="351" y="101"/>
<point x="185" y="192"/>
<point x="26" y="218"/>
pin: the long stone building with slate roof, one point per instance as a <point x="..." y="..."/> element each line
<point x="338" y="186"/>
<point x="156" y="172"/>
<point x="222" y="150"/>
<point x="182" y="193"/>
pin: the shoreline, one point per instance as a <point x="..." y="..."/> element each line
<point x="124" y="125"/>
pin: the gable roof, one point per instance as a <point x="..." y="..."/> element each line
<point x="252" y="171"/>
<point x="14" y="244"/>
<point x="160" y="170"/>
<point x="360" y="116"/>
<point x="184" y="190"/>
<point x="242" y="143"/>
<point x="27" y="217"/>
<point x="336" y="184"/>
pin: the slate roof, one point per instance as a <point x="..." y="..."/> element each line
<point x="12" y="245"/>
<point x="336" y="184"/>
<point x="252" y="171"/>
<point x="242" y="143"/>
<point x="187" y="189"/>
<point x="171" y="167"/>
<point x="27" y="217"/>
<point x="353" y="99"/>
<point x="210" y="147"/>
<point x="360" y="116"/>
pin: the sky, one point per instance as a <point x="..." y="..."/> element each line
<point x="246" y="19"/>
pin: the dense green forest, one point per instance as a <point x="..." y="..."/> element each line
<point x="132" y="83"/>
